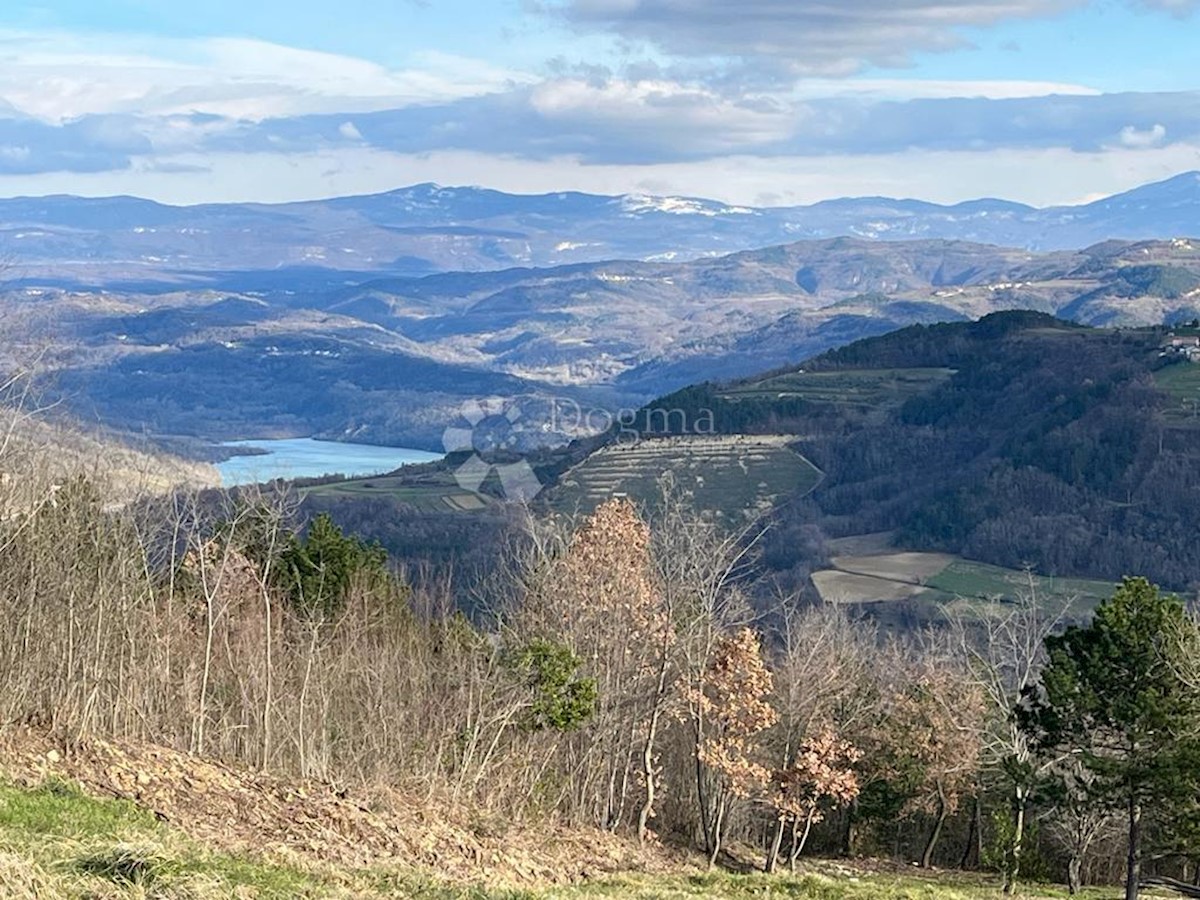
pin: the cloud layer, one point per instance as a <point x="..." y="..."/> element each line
<point x="134" y="113"/>
<point x="805" y="37"/>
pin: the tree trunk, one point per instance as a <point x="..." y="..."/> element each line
<point x="965" y="862"/>
<point x="1133" y="864"/>
<point x="647" y="810"/>
<point x="701" y="799"/>
<point x="1012" y="865"/>
<point x="1074" y="874"/>
<point x="850" y="833"/>
<point x="718" y="830"/>
<point x="799" y="842"/>
<point x="936" y="833"/>
<point x="776" y="844"/>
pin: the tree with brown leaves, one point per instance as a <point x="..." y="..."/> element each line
<point x="936" y="721"/>
<point x="822" y="775"/>
<point x="731" y="706"/>
<point x="599" y="596"/>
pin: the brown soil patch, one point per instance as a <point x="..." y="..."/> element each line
<point x="843" y="587"/>
<point x="914" y="568"/>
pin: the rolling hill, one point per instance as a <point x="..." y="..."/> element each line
<point x="393" y="360"/>
<point x="1018" y="440"/>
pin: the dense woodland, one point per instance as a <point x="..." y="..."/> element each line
<point x="1048" y="447"/>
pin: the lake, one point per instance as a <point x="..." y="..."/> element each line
<point x="309" y="458"/>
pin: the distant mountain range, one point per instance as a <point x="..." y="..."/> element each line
<point x="131" y="243"/>
<point x="393" y="360"/>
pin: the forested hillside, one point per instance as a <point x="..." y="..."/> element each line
<point x="1041" y="443"/>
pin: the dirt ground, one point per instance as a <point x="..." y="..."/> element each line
<point x="914" y="568"/>
<point x="843" y="587"/>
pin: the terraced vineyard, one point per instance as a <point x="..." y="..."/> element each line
<point x="871" y="388"/>
<point x="732" y="476"/>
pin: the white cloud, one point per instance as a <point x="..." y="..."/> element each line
<point x="13" y="153"/>
<point x="789" y="39"/>
<point x="1134" y="139"/>
<point x="804" y="36"/>
<point x="687" y="120"/>
<point x="58" y="76"/>
<point x="934" y="89"/>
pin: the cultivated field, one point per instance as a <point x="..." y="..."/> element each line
<point x="869" y="573"/>
<point x="977" y="580"/>
<point x="870" y="388"/>
<point x="732" y="476"/>
<point x="840" y="587"/>
<point x="430" y="492"/>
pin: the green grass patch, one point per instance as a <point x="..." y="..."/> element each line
<point x="807" y="886"/>
<point x="63" y="810"/>
<point x="976" y="580"/>
<point x="83" y="846"/>
<point x="1181" y="383"/>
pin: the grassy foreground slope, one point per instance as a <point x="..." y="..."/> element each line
<point x="57" y="842"/>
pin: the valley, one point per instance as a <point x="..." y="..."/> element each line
<point x="393" y="361"/>
<point x="980" y="449"/>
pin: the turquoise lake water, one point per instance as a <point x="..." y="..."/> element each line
<point x="308" y="458"/>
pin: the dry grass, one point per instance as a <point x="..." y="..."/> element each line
<point x="241" y="811"/>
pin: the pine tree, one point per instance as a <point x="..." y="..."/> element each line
<point x="1112" y="696"/>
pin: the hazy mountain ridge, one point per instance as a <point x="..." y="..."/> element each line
<point x="392" y="360"/>
<point x="427" y="228"/>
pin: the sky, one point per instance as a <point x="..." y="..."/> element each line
<point x="763" y="102"/>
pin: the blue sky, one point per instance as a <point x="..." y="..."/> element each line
<point x="759" y="101"/>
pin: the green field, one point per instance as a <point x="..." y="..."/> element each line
<point x="435" y="491"/>
<point x="870" y="388"/>
<point x="1181" y="382"/>
<point x="734" y="477"/>
<point x="57" y="843"/>
<point x="902" y="588"/>
<point x="976" y="580"/>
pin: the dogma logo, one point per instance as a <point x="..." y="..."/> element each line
<point x="488" y="426"/>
